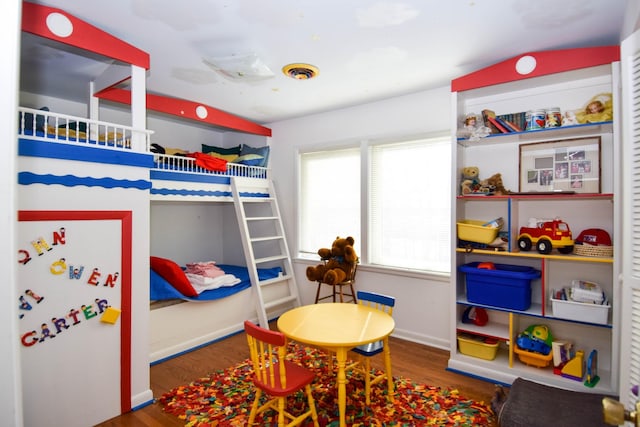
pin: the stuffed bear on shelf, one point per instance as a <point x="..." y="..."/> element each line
<point x="337" y="263"/>
<point x="470" y="180"/>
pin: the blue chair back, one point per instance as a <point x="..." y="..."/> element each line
<point x="379" y="301"/>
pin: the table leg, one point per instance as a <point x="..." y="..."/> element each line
<point x="387" y="366"/>
<point x="341" y="357"/>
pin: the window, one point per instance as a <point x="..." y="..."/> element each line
<point x="410" y="205"/>
<point x="322" y="217"/>
<point x="407" y="221"/>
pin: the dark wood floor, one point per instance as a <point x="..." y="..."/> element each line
<point x="418" y="362"/>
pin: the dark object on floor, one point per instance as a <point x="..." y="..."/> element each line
<point x="530" y="404"/>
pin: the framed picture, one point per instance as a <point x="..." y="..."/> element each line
<point x="566" y="165"/>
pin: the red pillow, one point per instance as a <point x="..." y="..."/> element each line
<point x="172" y="273"/>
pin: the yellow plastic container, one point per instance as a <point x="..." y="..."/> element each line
<point x="476" y="346"/>
<point x="533" y="359"/>
<point x="476" y="231"/>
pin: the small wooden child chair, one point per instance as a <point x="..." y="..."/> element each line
<point x="276" y="376"/>
<point x="366" y="352"/>
<point x="337" y="288"/>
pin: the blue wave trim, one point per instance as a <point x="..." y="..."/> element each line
<point x="28" y="178"/>
<point x="203" y="193"/>
<point x="56" y="150"/>
<point x="189" y="177"/>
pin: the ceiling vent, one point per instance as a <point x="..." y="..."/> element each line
<point x="300" y="71"/>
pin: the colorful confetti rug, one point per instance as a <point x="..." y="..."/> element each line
<point x="224" y="399"/>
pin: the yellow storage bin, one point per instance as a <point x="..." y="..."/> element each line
<point x="478" y="231"/>
<point x="533" y="359"/>
<point x="476" y="346"/>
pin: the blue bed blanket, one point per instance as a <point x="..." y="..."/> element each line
<point x="163" y="290"/>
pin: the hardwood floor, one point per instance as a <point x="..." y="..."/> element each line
<point x="418" y="362"/>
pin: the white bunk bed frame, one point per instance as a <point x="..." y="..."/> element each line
<point x="211" y="320"/>
<point x="208" y="321"/>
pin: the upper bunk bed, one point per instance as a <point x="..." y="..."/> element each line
<point x="119" y="78"/>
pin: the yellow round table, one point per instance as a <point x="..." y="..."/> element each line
<point x="340" y="327"/>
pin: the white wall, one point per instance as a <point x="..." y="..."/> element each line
<point x="422" y="302"/>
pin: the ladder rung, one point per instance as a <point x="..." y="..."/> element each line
<point x="270" y="258"/>
<point x="266" y="239"/>
<point x="275" y="280"/>
<point x="261" y="218"/>
<point x="256" y="199"/>
<point x="280" y="301"/>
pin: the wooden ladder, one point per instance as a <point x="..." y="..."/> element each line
<point x="265" y="246"/>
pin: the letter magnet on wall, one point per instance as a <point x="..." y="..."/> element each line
<point x="110" y="315"/>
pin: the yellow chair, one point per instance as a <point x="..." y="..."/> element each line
<point x="366" y="352"/>
<point x="276" y="376"/>
<point x="337" y="288"/>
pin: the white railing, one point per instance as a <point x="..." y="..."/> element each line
<point x="54" y="127"/>
<point x="185" y="164"/>
<point x="62" y="128"/>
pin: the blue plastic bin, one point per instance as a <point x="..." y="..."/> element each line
<point x="508" y="286"/>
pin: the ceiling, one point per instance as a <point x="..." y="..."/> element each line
<point x="365" y="50"/>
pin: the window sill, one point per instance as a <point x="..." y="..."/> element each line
<point x="391" y="271"/>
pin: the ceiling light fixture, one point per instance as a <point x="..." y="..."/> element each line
<point x="300" y="71"/>
<point x="240" y="67"/>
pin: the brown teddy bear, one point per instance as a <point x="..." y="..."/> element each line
<point x="338" y="262"/>
<point x="494" y="185"/>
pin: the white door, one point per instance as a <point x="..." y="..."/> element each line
<point x="630" y="316"/>
<point x="69" y="285"/>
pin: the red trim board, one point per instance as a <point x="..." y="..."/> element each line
<point x="543" y="63"/>
<point x="188" y="110"/>
<point x="56" y="24"/>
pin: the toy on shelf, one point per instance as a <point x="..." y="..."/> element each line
<point x="472" y="185"/>
<point x="594" y="242"/>
<point x="592" y="370"/>
<point x="475" y="315"/>
<point x="533" y="346"/>
<point x="562" y="353"/>
<point x="473" y="128"/>
<point x="478" y="234"/>
<point x="574" y="368"/>
<point x="598" y="109"/>
<point x="470" y="182"/>
<point x="546" y="235"/>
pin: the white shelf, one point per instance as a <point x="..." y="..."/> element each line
<point x="501" y="153"/>
<point x="563" y="132"/>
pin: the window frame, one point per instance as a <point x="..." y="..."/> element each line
<point x="365" y="146"/>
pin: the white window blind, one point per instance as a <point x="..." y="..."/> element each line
<point x="329" y="198"/>
<point x="410" y="204"/>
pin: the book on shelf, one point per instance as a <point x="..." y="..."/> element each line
<point x="505" y="124"/>
<point x="510" y="121"/>
<point x="487" y="115"/>
<point x="494" y="121"/>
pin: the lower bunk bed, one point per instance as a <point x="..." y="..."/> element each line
<point x="180" y="323"/>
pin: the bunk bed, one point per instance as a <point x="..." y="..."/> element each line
<point x="185" y="320"/>
<point x="179" y="321"/>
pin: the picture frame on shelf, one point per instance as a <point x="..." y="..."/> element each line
<point x="571" y="165"/>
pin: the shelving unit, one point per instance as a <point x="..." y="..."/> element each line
<point x="570" y="86"/>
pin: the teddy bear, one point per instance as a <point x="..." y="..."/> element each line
<point x="338" y="262"/>
<point x="470" y="181"/>
<point x="494" y="185"/>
